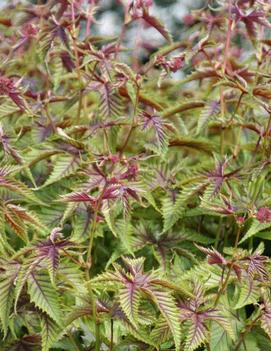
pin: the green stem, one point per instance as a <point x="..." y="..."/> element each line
<point x="111" y="334"/>
<point x="88" y="266"/>
<point x="247" y="330"/>
<point x="133" y="126"/>
<point x="218" y="234"/>
<point x="77" y="63"/>
<point x="225" y="284"/>
<point x="76" y="348"/>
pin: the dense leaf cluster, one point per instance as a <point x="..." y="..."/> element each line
<point x="135" y="207"/>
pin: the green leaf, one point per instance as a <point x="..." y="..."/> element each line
<point x="197" y="335"/>
<point x="49" y="332"/>
<point x="248" y="294"/>
<point x="129" y="302"/>
<point x="255" y="228"/>
<point x="64" y="167"/>
<point x="219" y="340"/>
<point x="167" y="306"/>
<point x="161" y="332"/>
<point x="43" y="295"/>
<point x="7" y="288"/>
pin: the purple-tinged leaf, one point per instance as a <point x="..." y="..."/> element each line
<point x="8" y="88"/>
<point x="157" y="24"/>
<point x="264" y="215"/>
<point x="213" y="256"/>
<point x="266" y="317"/>
<point x="78" y="197"/>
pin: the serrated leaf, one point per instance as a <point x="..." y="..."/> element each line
<point x="248" y="294"/>
<point x="49" y="332"/>
<point x="255" y="228"/>
<point x="43" y="295"/>
<point x="158" y="25"/>
<point x="64" y="166"/>
<point x="129" y="301"/>
<point x="7" y="289"/>
<point x="168" y="309"/>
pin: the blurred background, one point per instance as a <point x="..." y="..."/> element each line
<point x="110" y="14"/>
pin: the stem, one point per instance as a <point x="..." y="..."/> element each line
<point x="89" y="20"/>
<point x="111" y="335"/>
<point x="73" y="259"/>
<point x="106" y="141"/>
<point x="133" y="126"/>
<point x="222" y="140"/>
<point x="50" y="119"/>
<point x="228" y="39"/>
<point x="122" y="33"/>
<point x="224" y="67"/>
<point x="218" y="232"/>
<point x="88" y="266"/>
<point x="92" y="232"/>
<point x="225" y="284"/>
<point x="77" y="62"/>
<point x="247" y="329"/>
<point x="268" y="126"/>
<point x="79" y="106"/>
<point x="76" y="348"/>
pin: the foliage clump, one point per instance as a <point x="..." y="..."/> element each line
<point x="135" y="207"/>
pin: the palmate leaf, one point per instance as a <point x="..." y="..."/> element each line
<point x="48" y="251"/>
<point x="64" y="166"/>
<point x="168" y="309"/>
<point x="43" y="295"/>
<point x="135" y="281"/>
<point x="44" y="253"/>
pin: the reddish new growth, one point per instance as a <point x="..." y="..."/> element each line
<point x="264" y="215"/>
<point x="138" y="7"/>
<point x="29" y="30"/>
<point x="172" y="65"/>
<point x="7" y="87"/>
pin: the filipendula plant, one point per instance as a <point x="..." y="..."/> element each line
<point x="135" y="207"/>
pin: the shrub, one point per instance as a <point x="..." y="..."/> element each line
<point x="135" y="178"/>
